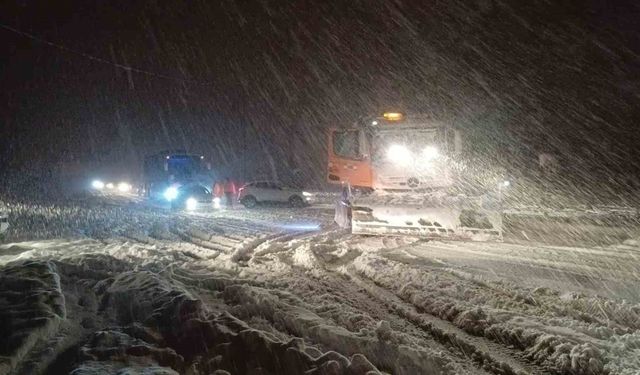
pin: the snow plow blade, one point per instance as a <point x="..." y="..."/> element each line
<point x="462" y="220"/>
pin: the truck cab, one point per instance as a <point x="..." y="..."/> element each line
<point x="176" y="167"/>
<point x="393" y="152"/>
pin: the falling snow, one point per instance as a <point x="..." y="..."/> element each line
<point x="105" y="282"/>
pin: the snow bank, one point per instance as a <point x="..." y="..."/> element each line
<point x="32" y="307"/>
<point x="623" y="356"/>
<point x="216" y="341"/>
<point x="114" y="351"/>
<point x="91" y="218"/>
<point x="299" y="321"/>
<point x="157" y="326"/>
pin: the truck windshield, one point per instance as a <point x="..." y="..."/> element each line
<point x="184" y="166"/>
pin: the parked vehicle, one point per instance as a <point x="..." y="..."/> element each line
<point x="259" y="192"/>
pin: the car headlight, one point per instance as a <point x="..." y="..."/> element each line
<point x="307" y="194"/>
<point x="171" y="193"/>
<point x="216" y="202"/>
<point x="399" y="154"/>
<point x="430" y="152"/>
<point x="97" y="184"/>
<point x="124" y="187"/>
<point x="191" y="204"/>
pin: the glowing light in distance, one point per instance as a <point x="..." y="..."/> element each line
<point x="303" y="227"/>
<point x="124" y="187"/>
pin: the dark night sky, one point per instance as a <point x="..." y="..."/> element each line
<point x="271" y="75"/>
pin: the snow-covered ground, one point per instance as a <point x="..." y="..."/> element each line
<point x="117" y="287"/>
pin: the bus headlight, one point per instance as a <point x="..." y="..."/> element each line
<point x="191" y="204"/>
<point x="171" y="193"/>
<point x="399" y="154"/>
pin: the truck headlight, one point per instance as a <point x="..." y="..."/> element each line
<point x="399" y="154"/>
<point x="430" y="152"/>
<point x="171" y="193"/>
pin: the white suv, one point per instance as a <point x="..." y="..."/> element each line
<point x="258" y="192"/>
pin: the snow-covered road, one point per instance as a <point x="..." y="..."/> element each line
<point x="119" y="287"/>
<point x="612" y="271"/>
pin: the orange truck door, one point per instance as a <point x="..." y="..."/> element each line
<point x="348" y="159"/>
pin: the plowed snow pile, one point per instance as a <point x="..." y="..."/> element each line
<point x="134" y="290"/>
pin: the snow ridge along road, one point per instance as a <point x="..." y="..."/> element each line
<point x="123" y="288"/>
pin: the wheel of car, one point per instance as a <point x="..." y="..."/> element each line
<point x="296" y="201"/>
<point x="249" y="201"/>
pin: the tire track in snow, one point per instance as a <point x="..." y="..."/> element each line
<point x="347" y="299"/>
<point x="479" y="352"/>
<point x="489" y="355"/>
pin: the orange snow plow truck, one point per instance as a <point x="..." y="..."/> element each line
<point x="403" y="175"/>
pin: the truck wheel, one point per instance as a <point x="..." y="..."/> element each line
<point x="249" y="201"/>
<point x="296" y="201"/>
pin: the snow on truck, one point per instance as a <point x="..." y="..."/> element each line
<point x="401" y="175"/>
